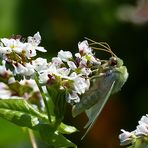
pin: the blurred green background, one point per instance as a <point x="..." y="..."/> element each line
<point x="62" y="24"/>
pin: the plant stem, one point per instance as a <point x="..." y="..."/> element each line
<point x="32" y="139"/>
<point x="44" y="98"/>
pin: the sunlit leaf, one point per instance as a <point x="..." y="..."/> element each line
<point x="20" y="112"/>
<point x="66" y="129"/>
<point x="58" y="98"/>
<point x="53" y="138"/>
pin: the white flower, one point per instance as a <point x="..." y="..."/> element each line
<point x="30" y="69"/>
<point x="139" y="134"/>
<point x="144" y="120"/>
<point x="5" y="50"/>
<point x="142" y="130"/>
<point x="83" y="62"/>
<point x="53" y="71"/>
<point x="57" y="61"/>
<point x="3" y="69"/>
<point x="40" y="64"/>
<point x="5" y="93"/>
<point x="28" y="49"/>
<point x="73" y="97"/>
<point x="86" y="71"/>
<point x="35" y="41"/>
<point x="94" y="60"/>
<point x="71" y="65"/>
<point x="78" y="55"/>
<point x="30" y="83"/>
<point x="26" y="70"/>
<point x="80" y="84"/>
<point x="84" y="47"/>
<point x="64" y="55"/>
<point x="43" y="76"/>
<point x="11" y="80"/>
<point x="62" y="72"/>
<point x="20" y="69"/>
<point x="126" y="137"/>
<point x="11" y="45"/>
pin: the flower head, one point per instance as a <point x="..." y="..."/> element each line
<point x="5" y="93"/>
<point x="4" y="71"/>
<point x="126" y="137"/>
<point x="27" y="49"/>
<point x="137" y="135"/>
<point x="24" y="70"/>
<point x="35" y="41"/>
<point x="84" y="47"/>
<point x="64" y="55"/>
<point x="40" y="64"/>
<point x="142" y="128"/>
<point x="73" y="97"/>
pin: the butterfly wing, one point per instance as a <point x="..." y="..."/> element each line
<point x="89" y="99"/>
<point x="96" y="109"/>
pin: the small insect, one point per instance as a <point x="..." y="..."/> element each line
<point x="109" y="80"/>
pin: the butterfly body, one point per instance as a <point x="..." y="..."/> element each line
<point x="110" y="80"/>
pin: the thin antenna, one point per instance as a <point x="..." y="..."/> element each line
<point x="105" y="46"/>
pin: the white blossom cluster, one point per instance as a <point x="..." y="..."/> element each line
<point x="20" y="54"/>
<point x="27" y="49"/>
<point x="141" y="132"/>
<point x="70" y="72"/>
<point x="17" y="57"/>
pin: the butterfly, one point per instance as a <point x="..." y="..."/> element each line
<point x="110" y="79"/>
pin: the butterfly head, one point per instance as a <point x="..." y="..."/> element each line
<point x="115" y="62"/>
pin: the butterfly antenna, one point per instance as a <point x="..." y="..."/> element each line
<point x="105" y="46"/>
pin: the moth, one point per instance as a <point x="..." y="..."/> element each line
<point x="110" y="79"/>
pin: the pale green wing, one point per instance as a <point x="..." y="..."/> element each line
<point x="96" y="109"/>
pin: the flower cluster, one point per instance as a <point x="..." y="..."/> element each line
<point x="141" y="133"/>
<point x="22" y="49"/>
<point x="20" y="54"/>
<point x="71" y="73"/>
<point x="17" y="58"/>
<point x="26" y="83"/>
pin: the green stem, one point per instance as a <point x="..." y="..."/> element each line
<point x="44" y="98"/>
<point x="32" y="139"/>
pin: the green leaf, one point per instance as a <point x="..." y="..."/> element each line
<point x="20" y="112"/>
<point x="141" y="143"/>
<point x="58" y="98"/>
<point x="9" y="66"/>
<point x="0" y="61"/>
<point x="54" y="138"/>
<point x="66" y="129"/>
